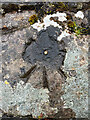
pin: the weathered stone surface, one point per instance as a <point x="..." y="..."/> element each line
<point x="16" y="21"/>
<point x="60" y="97"/>
<point x="13" y="67"/>
<point x="42" y="1"/>
<point x="46" y="41"/>
<point x="76" y="85"/>
<point x="24" y="100"/>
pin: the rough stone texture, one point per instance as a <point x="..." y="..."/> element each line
<point x="42" y="1"/>
<point x="67" y="98"/>
<point x="11" y="56"/>
<point x="76" y="86"/>
<point x="13" y="66"/>
<point x="24" y="100"/>
<point x="16" y="21"/>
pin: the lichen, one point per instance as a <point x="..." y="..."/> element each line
<point x="76" y="87"/>
<point x="33" y="19"/>
<point x="23" y="100"/>
<point x="79" y="14"/>
<point x="6" y="82"/>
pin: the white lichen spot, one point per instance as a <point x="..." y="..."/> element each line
<point x="65" y="33"/>
<point x="39" y="26"/>
<point x="47" y="22"/>
<point x="79" y="14"/>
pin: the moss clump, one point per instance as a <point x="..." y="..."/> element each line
<point x="50" y="9"/>
<point x="82" y="30"/>
<point x="33" y="19"/>
<point x="72" y="25"/>
<point x="62" y="6"/>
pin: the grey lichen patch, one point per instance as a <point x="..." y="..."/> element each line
<point x="24" y="100"/>
<point x="76" y="86"/>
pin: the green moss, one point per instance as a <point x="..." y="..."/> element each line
<point x="82" y="30"/>
<point x="33" y="19"/>
<point x="62" y="6"/>
<point x="72" y="25"/>
<point x="78" y="31"/>
<point x="50" y="8"/>
<point x="49" y="11"/>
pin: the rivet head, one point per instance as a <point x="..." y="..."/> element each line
<point x="45" y="52"/>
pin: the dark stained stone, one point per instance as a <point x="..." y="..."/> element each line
<point x="46" y="50"/>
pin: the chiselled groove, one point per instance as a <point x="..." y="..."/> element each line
<point x="27" y="74"/>
<point x="64" y="50"/>
<point x="62" y="73"/>
<point x="45" y="80"/>
<point x="13" y="29"/>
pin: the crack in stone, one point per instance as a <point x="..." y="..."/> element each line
<point x="45" y="80"/>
